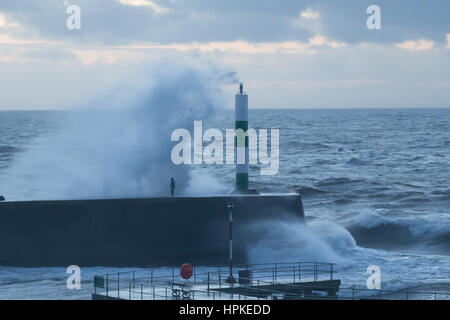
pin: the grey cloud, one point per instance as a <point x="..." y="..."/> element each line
<point x="110" y="22"/>
<point x="401" y="20"/>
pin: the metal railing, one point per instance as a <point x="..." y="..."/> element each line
<point x="113" y="284"/>
<point x="207" y="284"/>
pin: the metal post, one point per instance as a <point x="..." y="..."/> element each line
<point x="208" y="283"/>
<point x="107" y="285"/>
<point x="231" y="279"/>
<point x="151" y="276"/>
<point x="118" y="285"/>
<point x="331" y="275"/>
<point x="273" y="275"/>
<point x="220" y="279"/>
<point x="276" y="271"/>
<point x="258" y="291"/>
<point x="294" y="275"/>
<point x="195" y="277"/>
<point x="173" y="274"/>
<point x="129" y="290"/>
<point x="299" y="272"/>
<point x="142" y="292"/>
<point x="315" y="271"/>
<point x="133" y="278"/>
<point x="153" y="292"/>
<point x="166" y="293"/>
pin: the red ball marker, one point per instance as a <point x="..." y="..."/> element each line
<point x="186" y="271"/>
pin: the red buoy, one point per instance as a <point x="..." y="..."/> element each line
<point x="186" y="271"/>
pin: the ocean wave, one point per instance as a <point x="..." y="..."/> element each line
<point x="402" y="196"/>
<point x="310" y="191"/>
<point x="6" y="149"/>
<point x="313" y="145"/>
<point x="325" y="161"/>
<point x="286" y="241"/>
<point x="343" y="201"/>
<point x="373" y="230"/>
<point x="442" y="194"/>
<point x="336" y="182"/>
<point x="357" y="162"/>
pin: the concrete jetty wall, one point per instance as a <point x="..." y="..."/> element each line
<point x="136" y="232"/>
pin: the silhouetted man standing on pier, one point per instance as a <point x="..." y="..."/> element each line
<point x="172" y="186"/>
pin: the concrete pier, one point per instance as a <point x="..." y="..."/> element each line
<point x="136" y="232"/>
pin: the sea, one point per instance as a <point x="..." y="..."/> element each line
<point x="375" y="185"/>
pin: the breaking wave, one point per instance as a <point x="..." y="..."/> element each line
<point x="373" y="230"/>
<point x="120" y="144"/>
<point x="322" y="241"/>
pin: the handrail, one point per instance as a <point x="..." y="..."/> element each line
<point x="354" y="293"/>
<point x="262" y="274"/>
<point x="236" y="266"/>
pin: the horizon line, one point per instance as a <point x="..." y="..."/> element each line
<point x="262" y="108"/>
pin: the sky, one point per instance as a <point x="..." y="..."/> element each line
<point x="289" y="53"/>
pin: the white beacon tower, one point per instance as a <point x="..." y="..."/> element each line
<point x="242" y="155"/>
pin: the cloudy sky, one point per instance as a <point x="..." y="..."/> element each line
<point x="289" y="53"/>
